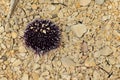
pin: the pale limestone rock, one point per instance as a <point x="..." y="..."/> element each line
<point x="35" y="66"/>
<point x="24" y="77"/>
<point x="1" y="29"/>
<point x="60" y="14"/>
<point x="84" y="2"/>
<point x="17" y="62"/>
<point x="67" y="62"/>
<point x="99" y="1"/>
<point x="65" y="76"/>
<point x="89" y="62"/>
<point x="117" y="34"/>
<point x="48" y="67"/>
<point x="107" y="67"/>
<point x="106" y="17"/>
<point x="45" y="73"/>
<point x="112" y="60"/>
<point x="104" y="51"/>
<point x="12" y="60"/>
<point x="117" y="65"/>
<point x="22" y="49"/>
<point x="41" y="78"/>
<point x="3" y="78"/>
<point x="35" y="76"/>
<point x="79" y="29"/>
<point x="52" y="7"/>
<point x="22" y="54"/>
<point x="1" y="41"/>
<point x="14" y="35"/>
<point x="96" y="75"/>
<point x="3" y="46"/>
<point x="34" y="6"/>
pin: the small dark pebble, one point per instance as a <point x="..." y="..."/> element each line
<point x="4" y="58"/>
<point x="80" y="22"/>
<point x="54" y="16"/>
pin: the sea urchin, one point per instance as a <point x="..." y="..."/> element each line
<point x="42" y="36"/>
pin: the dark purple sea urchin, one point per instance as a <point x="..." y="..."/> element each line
<point x="42" y="36"/>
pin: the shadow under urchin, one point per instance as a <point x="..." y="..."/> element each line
<point x="42" y="36"/>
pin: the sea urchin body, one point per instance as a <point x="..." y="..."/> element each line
<point x="42" y="35"/>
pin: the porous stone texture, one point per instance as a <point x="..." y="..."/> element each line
<point x="90" y="40"/>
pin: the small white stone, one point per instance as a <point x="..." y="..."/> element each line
<point x="67" y="62"/>
<point x="79" y="29"/>
<point x="48" y="67"/>
<point x="84" y="2"/>
<point x="17" y="68"/>
<point x="96" y="75"/>
<point x="112" y="60"/>
<point x="4" y="67"/>
<point x="3" y="46"/>
<point x="22" y="49"/>
<point x="35" y="66"/>
<point x="22" y="54"/>
<point x="117" y="65"/>
<point x="34" y="6"/>
<point x="110" y="7"/>
<point x="45" y="73"/>
<point x="99" y="1"/>
<point x="116" y="33"/>
<point x="89" y="62"/>
<point x="65" y="76"/>
<point x="106" y="17"/>
<point x="3" y="78"/>
<point x="35" y="76"/>
<point x="12" y="60"/>
<point x="41" y="78"/>
<point x="104" y="51"/>
<point x="1" y="29"/>
<point x="24" y="77"/>
<point x="52" y="7"/>
<point x="1" y="41"/>
<point x="17" y="62"/>
<point x="25" y="20"/>
<point x="60" y="14"/>
<point x="14" y="35"/>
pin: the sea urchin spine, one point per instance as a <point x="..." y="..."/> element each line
<point x="42" y="35"/>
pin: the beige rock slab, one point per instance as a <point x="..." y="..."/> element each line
<point x="35" y="76"/>
<point x="1" y="29"/>
<point x="3" y="78"/>
<point x="22" y="49"/>
<point x="99" y="1"/>
<point x="17" y="62"/>
<point x="104" y="51"/>
<point x="25" y="77"/>
<point x="96" y="75"/>
<point x="45" y="73"/>
<point x="14" y="35"/>
<point x="79" y="29"/>
<point x="67" y="62"/>
<point x="90" y="62"/>
<point x="34" y="6"/>
<point x="41" y="78"/>
<point x="84" y="2"/>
